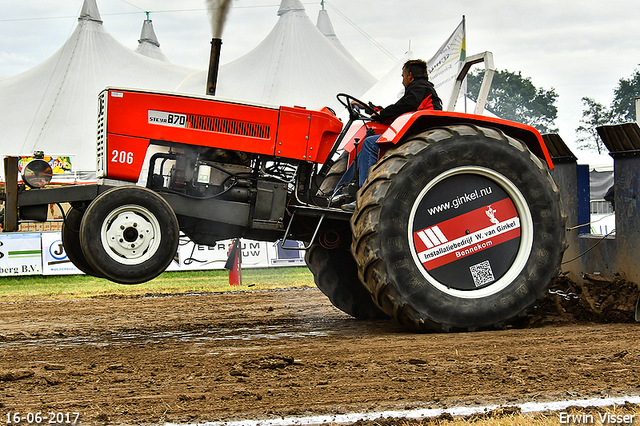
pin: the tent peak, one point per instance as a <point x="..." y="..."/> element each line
<point x="90" y="12"/>
<point x="289" y="6"/>
<point x="148" y="34"/>
<point x="324" y="24"/>
<point x="148" y="45"/>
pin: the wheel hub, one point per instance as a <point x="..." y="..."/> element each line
<point x="130" y="235"/>
<point x="466" y="232"/>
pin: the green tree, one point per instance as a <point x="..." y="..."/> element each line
<point x="624" y="106"/>
<point x="515" y="98"/>
<point x="594" y="115"/>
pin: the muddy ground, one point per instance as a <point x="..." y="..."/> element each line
<point x="208" y="357"/>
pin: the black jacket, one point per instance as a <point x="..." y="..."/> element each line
<point x="415" y="92"/>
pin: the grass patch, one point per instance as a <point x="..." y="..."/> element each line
<point x="74" y="286"/>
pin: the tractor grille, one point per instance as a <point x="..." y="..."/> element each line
<point x="101" y="137"/>
<point x="224" y="125"/>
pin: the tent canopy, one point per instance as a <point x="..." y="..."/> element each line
<point x="52" y="107"/>
<point x="294" y="65"/>
<point x="326" y="27"/>
<point x="148" y="45"/>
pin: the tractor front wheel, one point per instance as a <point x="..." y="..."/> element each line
<point x="71" y="242"/>
<point x="129" y="234"/>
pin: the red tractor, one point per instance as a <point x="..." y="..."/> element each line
<point x="458" y="226"/>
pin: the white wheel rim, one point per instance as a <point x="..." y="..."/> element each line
<point x="130" y="234"/>
<point x="526" y="233"/>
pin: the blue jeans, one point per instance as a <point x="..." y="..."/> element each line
<point x="366" y="158"/>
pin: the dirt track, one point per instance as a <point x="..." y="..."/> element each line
<point x="252" y="355"/>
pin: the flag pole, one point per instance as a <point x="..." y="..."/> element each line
<point x="464" y="31"/>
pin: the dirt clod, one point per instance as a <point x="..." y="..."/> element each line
<point x="14" y="375"/>
<point x="596" y="299"/>
<point x="51" y="367"/>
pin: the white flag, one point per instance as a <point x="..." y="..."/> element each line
<point x="443" y="67"/>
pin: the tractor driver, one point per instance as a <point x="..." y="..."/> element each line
<point x="419" y="94"/>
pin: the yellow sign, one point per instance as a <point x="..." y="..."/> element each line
<point x="58" y="164"/>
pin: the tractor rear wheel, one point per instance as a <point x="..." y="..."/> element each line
<point x="460" y="228"/>
<point x="336" y="275"/>
<point x="334" y="175"/>
<point x="129" y="234"/>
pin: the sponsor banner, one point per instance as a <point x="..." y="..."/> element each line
<point x="255" y="254"/>
<point x="58" y="165"/>
<point x="280" y="255"/>
<point x="43" y="254"/>
<point x="54" y="259"/>
<point x="197" y="257"/>
<point x="20" y="254"/>
<point x="469" y="233"/>
<point x="444" y="66"/>
<point x="466" y="231"/>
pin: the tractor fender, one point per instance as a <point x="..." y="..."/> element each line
<point x="359" y="131"/>
<point x="413" y="123"/>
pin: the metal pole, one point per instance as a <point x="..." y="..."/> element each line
<point x="214" y="64"/>
<point x="11" y="194"/>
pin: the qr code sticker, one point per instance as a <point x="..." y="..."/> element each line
<point x="482" y="273"/>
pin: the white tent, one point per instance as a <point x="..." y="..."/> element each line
<point x="294" y="65"/>
<point x="596" y="162"/>
<point x="389" y="89"/>
<point x="52" y="107"/>
<point x="326" y="27"/>
<point x="148" y="45"/>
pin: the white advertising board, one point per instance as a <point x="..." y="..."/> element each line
<point x="287" y="256"/>
<point x="20" y="254"/>
<point x="43" y="254"/>
<point x="54" y="258"/>
<point x="192" y="257"/>
<point x="255" y="254"/>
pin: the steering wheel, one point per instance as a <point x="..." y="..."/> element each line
<point x="348" y="102"/>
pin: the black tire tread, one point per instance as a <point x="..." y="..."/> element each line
<point x="334" y="175"/>
<point x="71" y="242"/>
<point x="336" y="274"/>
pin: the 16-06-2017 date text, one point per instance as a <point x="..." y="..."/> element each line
<point x="51" y="417"/>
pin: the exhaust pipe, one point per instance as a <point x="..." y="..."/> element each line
<point x="214" y="64"/>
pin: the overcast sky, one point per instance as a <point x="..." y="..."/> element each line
<point x="580" y="48"/>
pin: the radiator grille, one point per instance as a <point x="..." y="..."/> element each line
<point x="224" y="125"/>
<point x="101" y="137"/>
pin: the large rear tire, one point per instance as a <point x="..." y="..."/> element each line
<point x="130" y="234"/>
<point x="460" y="228"/>
<point x="334" y="175"/>
<point x="336" y="275"/>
